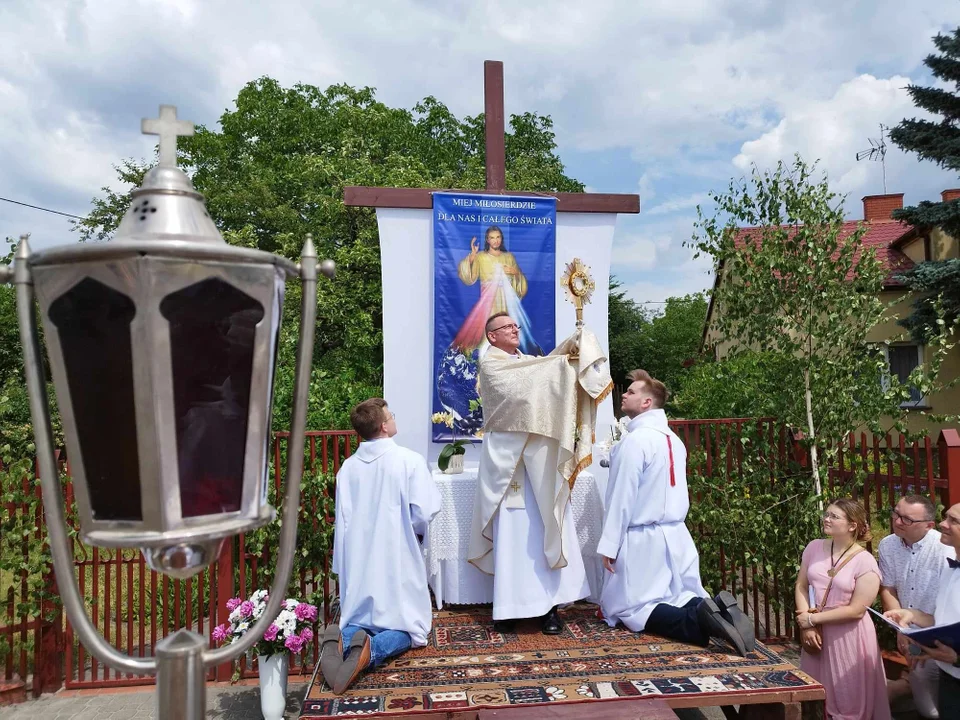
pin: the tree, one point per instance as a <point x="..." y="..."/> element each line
<point x="275" y="171"/>
<point x="671" y="340"/>
<point x="938" y="141"/>
<point x="799" y="288"/>
<point x="626" y="325"/>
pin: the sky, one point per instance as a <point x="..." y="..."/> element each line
<point x="670" y="99"/>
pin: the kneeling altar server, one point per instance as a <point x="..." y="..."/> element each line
<point x="654" y="581"/>
<point x="386" y="497"/>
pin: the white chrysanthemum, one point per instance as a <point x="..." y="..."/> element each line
<point x="258" y="596"/>
<point x="286" y="620"/>
<point x="258" y="609"/>
<point x="241" y="628"/>
<point x="234" y="616"/>
<point x="290" y="603"/>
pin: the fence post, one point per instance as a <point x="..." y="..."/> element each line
<point x="948" y="445"/>
<point x="225" y="591"/>
<point x="48" y="676"/>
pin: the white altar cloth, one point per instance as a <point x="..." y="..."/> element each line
<point x="455" y="581"/>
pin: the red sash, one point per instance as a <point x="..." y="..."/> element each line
<point x="673" y="479"/>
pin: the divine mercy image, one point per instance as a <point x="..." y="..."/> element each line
<point x="487" y="263"/>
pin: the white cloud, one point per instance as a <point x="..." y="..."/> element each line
<point x="634" y="253"/>
<point x="834" y="129"/>
<point x="687" y="202"/>
<point x="678" y="85"/>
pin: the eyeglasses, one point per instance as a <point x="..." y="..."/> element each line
<point x="510" y="326"/>
<point x="393" y="415"/>
<point x="903" y="518"/>
<point x="832" y="516"/>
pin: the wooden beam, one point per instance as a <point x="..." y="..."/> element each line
<point x="422" y="199"/>
<point x="493" y="120"/>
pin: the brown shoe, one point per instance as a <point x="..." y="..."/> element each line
<point x="357" y="660"/>
<point x="331" y="653"/>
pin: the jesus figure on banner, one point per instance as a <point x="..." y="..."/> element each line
<point x="502" y="287"/>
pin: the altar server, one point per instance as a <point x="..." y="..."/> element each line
<point x="654" y="581"/>
<point x="386" y="498"/>
<point x="539" y="415"/>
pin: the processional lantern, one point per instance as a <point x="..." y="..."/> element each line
<point x="163" y="345"/>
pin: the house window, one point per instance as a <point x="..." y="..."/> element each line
<point x="901" y="361"/>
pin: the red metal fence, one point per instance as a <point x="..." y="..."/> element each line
<point x="134" y="607"/>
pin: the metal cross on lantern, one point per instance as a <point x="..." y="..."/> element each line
<point x="166" y="336"/>
<point x="169" y="129"/>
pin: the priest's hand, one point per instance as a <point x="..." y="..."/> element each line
<point x="609" y="564"/>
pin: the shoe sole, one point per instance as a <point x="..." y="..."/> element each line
<point x="358" y="658"/>
<point x="731" y="612"/>
<point x="726" y="631"/>
<point x="331" y="654"/>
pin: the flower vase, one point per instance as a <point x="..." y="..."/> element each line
<point x="455" y="466"/>
<point x="273" y="685"/>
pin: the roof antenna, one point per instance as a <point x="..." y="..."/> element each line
<point x="877" y="151"/>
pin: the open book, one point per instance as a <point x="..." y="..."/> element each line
<point x="947" y="634"/>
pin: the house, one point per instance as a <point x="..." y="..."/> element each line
<point x="899" y="247"/>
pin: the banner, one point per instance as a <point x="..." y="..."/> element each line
<point x="492" y="253"/>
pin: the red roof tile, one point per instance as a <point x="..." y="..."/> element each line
<point x="881" y="235"/>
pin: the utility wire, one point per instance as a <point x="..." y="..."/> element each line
<point x="37" y="207"/>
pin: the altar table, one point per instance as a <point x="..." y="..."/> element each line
<point x="455" y="581"/>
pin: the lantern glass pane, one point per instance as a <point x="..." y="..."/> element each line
<point x="212" y="340"/>
<point x="93" y="325"/>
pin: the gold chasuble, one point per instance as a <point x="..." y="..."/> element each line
<point x="552" y="398"/>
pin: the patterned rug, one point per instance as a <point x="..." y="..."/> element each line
<point x="466" y="664"/>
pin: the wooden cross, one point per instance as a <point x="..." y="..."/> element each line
<point x="169" y="129"/>
<point x="496" y="167"/>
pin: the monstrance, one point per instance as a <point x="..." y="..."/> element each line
<point x="579" y="285"/>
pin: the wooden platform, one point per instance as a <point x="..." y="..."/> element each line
<point x="468" y="671"/>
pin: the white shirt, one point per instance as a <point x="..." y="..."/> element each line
<point x="914" y="570"/>
<point x="948" y="607"/>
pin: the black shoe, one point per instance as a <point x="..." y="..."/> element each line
<point x="731" y="612"/>
<point x="503" y="626"/>
<point x="713" y="624"/>
<point x="552" y="625"/>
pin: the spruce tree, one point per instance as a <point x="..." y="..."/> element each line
<point x="938" y="141"/>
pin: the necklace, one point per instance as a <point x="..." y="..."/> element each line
<point x="833" y="563"/>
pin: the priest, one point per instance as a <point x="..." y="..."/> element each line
<point x="539" y="418"/>
<point x="654" y="581"/>
<point x="386" y="498"/>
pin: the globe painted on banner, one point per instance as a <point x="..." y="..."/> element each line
<point x="457" y="387"/>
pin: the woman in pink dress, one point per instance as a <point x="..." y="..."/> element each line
<point x="846" y="661"/>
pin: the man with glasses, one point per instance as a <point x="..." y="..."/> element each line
<point x="910" y="563"/>
<point x="535" y="410"/>
<point x="946" y="612"/>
